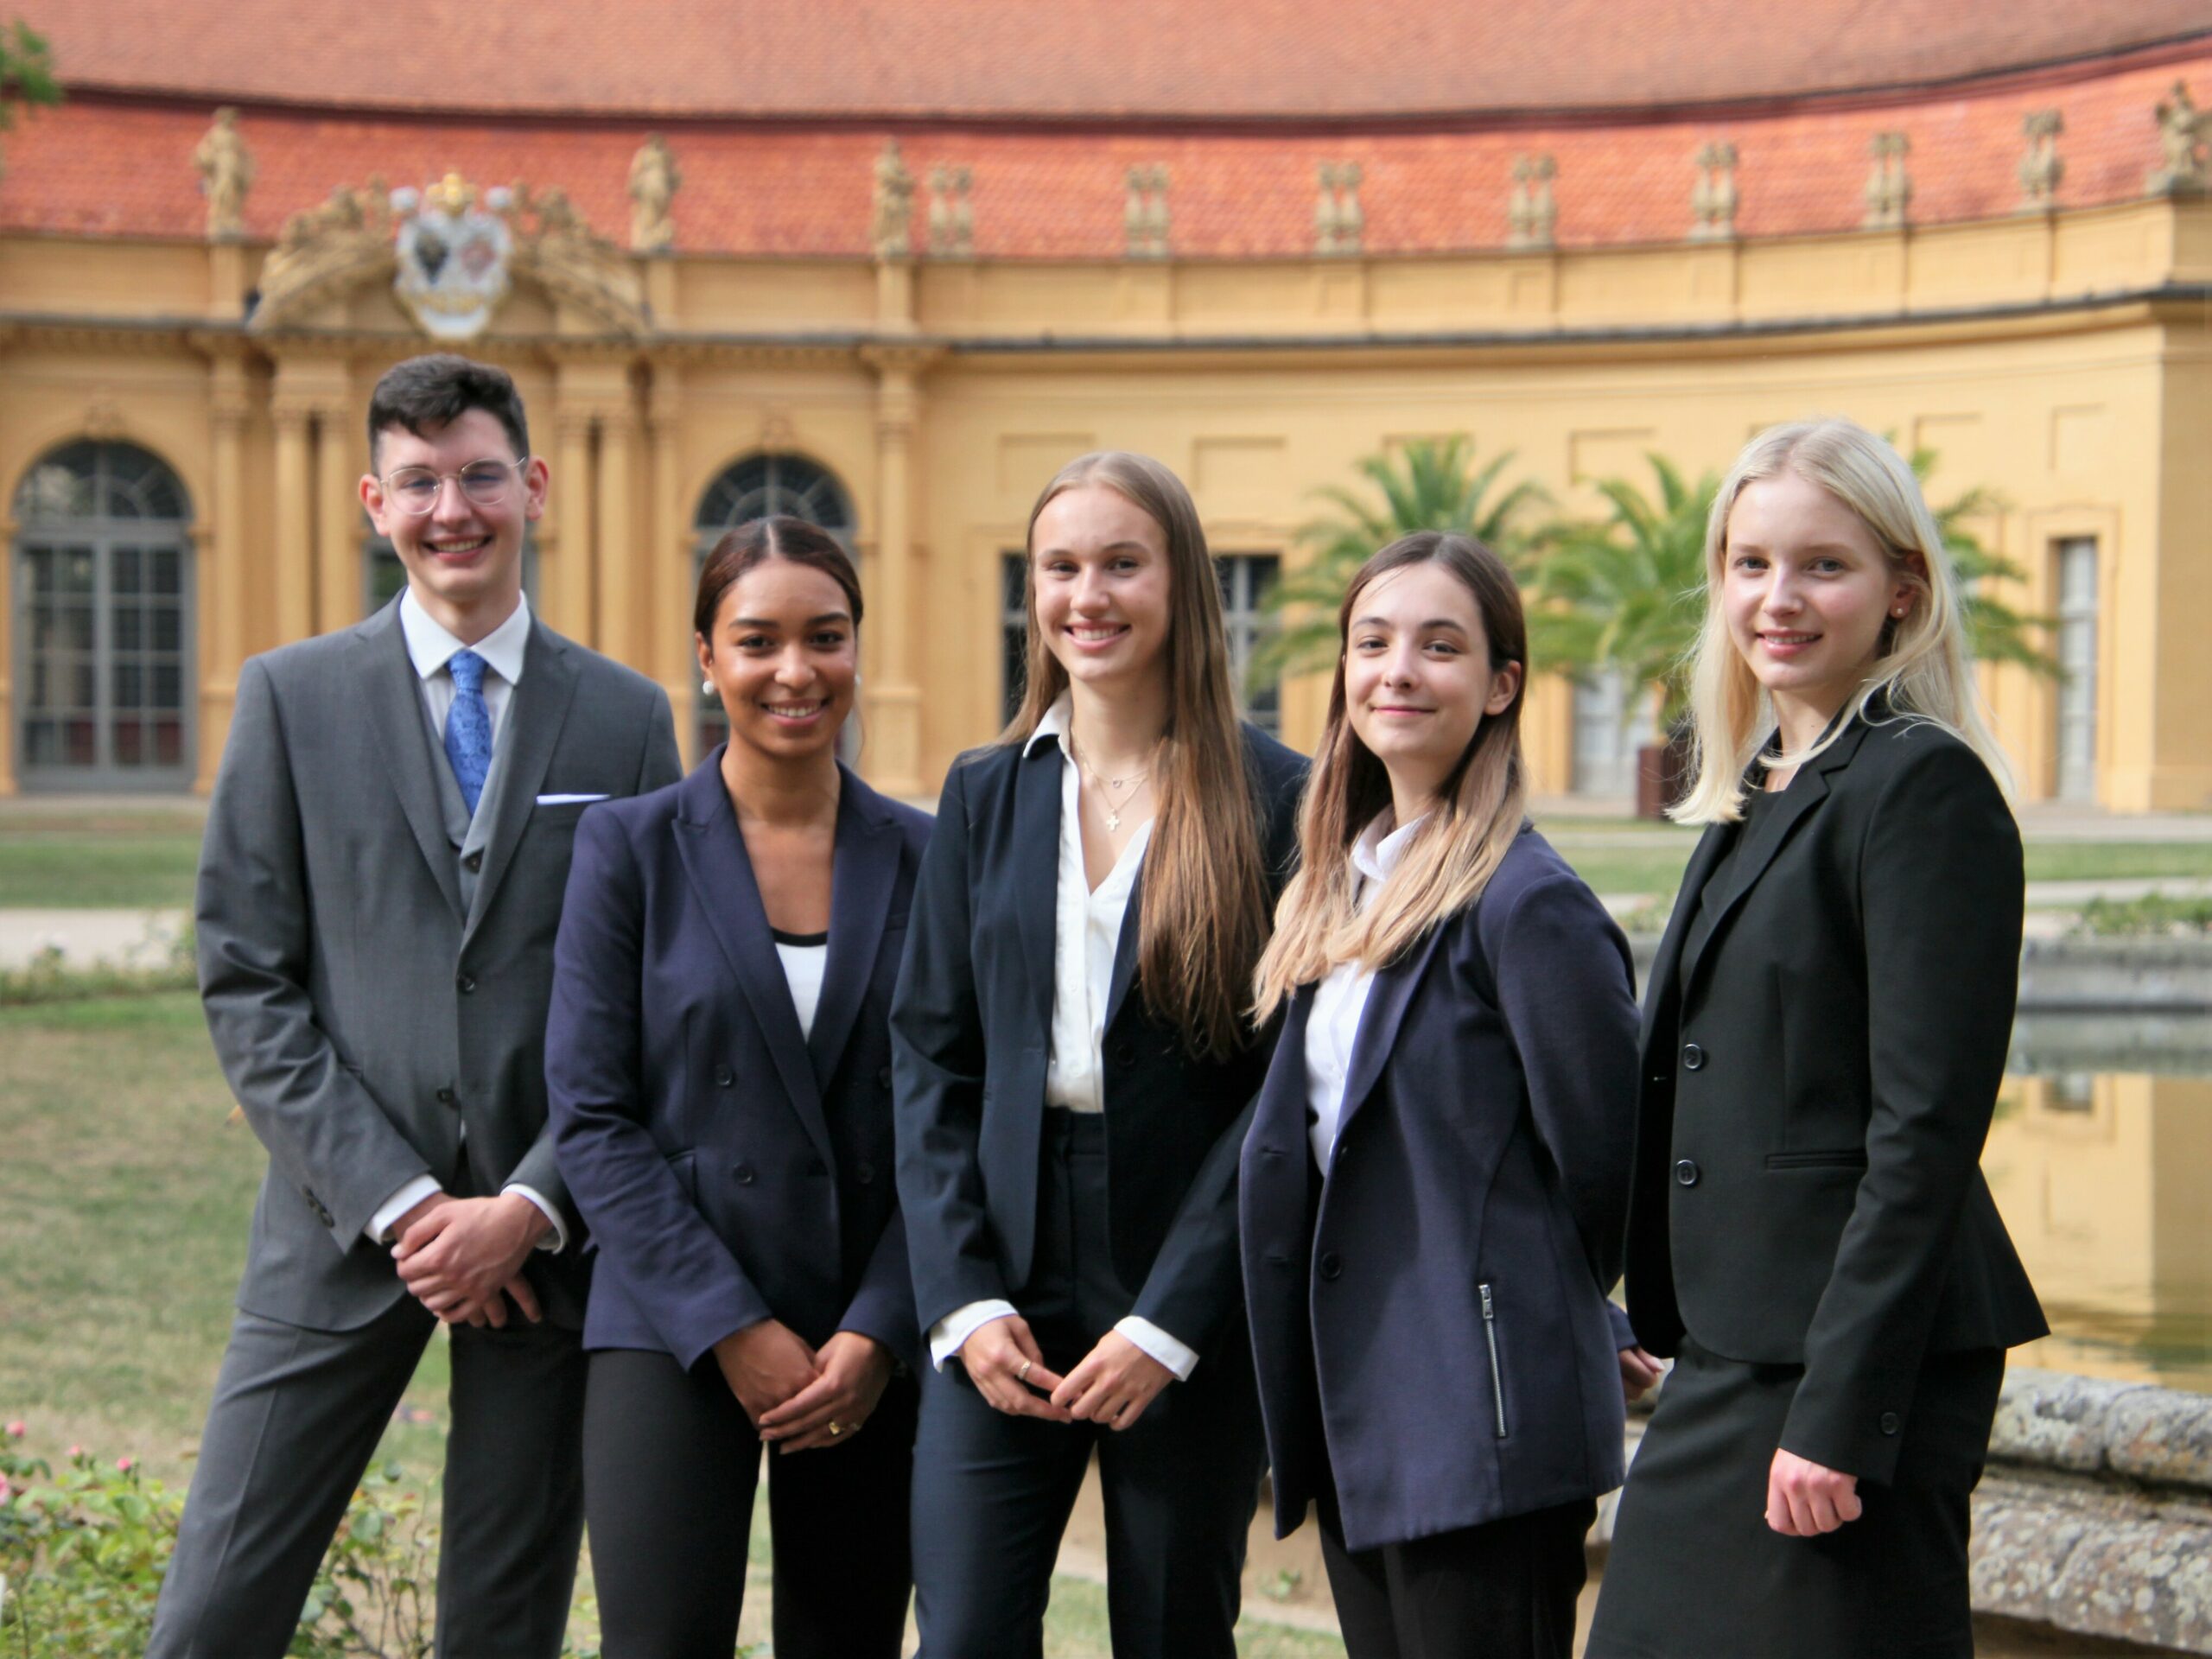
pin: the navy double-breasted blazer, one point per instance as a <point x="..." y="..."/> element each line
<point x="730" y="1168"/>
<point x="1440" y="1318"/>
<point x="971" y="1029"/>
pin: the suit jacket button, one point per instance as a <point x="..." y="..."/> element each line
<point x="723" y="1076"/>
<point x="1686" y="1172"/>
<point x="465" y="984"/>
<point x="864" y="1172"/>
<point x="1330" y="1264"/>
<point x="1692" y="1057"/>
<point x="744" y="1174"/>
<point x="1125" y="1054"/>
<point x="445" y="1096"/>
<point x="1889" y="1422"/>
<point x="474" y="862"/>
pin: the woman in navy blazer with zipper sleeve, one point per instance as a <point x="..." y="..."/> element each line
<point x="1484" y="1147"/>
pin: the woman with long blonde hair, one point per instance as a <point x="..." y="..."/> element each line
<point x="1434" y="1185"/>
<point x="1073" y="1055"/>
<point x="1810" y="1236"/>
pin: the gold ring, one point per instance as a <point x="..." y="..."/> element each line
<point x="1022" y="1375"/>
<point x="834" y="1430"/>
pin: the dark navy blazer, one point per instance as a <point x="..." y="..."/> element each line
<point x="1484" y="1146"/>
<point x="971" y="1029"/>
<point x="730" y="1168"/>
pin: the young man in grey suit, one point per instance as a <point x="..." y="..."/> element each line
<point x="382" y="876"/>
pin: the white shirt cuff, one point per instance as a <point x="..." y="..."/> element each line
<point x="387" y="1215"/>
<point x="1161" y="1346"/>
<point x="955" y="1327"/>
<point x="557" y="1240"/>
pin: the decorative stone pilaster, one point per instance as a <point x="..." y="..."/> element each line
<point x="294" y="551"/>
<point x="893" y="702"/>
<point x="1888" y="188"/>
<point x="1531" y="211"/>
<point x="1713" y="196"/>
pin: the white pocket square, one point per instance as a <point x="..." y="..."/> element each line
<point x="567" y="800"/>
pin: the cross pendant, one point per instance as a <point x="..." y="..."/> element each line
<point x="1113" y="822"/>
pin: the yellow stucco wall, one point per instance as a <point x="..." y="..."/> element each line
<point x="2047" y="357"/>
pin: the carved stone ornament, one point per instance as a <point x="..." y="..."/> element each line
<point x="2181" y="170"/>
<point x="890" y="230"/>
<point x="226" y="170"/>
<point x="1889" y="189"/>
<point x="1339" y="222"/>
<point x="2041" y="167"/>
<point x="1144" y="219"/>
<point x="654" y="182"/>
<point x="1713" y="196"/>
<point x="450" y="260"/>
<point x="1531" y="211"/>
<point x="952" y="213"/>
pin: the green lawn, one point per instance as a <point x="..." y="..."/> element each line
<point x="95" y="860"/>
<point x="125" y="1196"/>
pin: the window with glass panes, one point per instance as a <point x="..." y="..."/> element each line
<point x="103" y="622"/>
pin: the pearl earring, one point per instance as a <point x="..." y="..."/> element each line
<point x="707" y="686"/>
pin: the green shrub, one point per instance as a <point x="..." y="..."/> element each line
<point x="2153" y="916"/>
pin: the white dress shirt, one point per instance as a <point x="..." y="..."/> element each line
<point x="1086" y="932"/>
<point x="431" y="649"/>
<point x="1340" y="999"/>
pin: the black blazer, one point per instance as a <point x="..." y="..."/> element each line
<point x="730" y="1168"/>
<point x="971" y="1028"/>
<point x="1442" y="1320"/>
<point x="1817" y="1082"/>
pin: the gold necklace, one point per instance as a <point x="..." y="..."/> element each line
<point x="1108" y="786"/>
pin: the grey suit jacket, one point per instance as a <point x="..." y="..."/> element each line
<point x="369" y="989"/>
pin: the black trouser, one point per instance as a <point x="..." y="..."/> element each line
<point x="993" y="1492"/>
<point x="297" y="1416"/>
<point x="671" y="1463"/>
<point x="1503" y="1589"/>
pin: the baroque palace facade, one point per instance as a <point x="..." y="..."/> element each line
<point x="890" y="266"/>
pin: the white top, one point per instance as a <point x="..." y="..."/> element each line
<point x="430" y="647"/>
<point x="805" y="957"/>
<point x="1086" y="930"/>
<point x="1340" y="999"/>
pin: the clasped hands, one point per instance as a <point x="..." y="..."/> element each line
<point x="799" y="1397"/>
<point x="1113" y="1384"/>
<point x="462" y="1257"/>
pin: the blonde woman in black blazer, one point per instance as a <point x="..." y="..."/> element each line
<point x="1824" y="1032"/>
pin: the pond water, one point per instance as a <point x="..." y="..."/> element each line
<point x="2100" y="1159"/>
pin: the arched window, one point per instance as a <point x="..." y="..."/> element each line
<point x="104" y="622"/>
<point x="763" y="486"/>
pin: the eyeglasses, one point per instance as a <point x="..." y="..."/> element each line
<point x="483" y="484"/>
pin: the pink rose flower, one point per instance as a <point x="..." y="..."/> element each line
<point x="125" y="1466"/>
<point x="17" y="1429"/>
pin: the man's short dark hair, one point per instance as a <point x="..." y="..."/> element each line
<point x="427" y="393"/>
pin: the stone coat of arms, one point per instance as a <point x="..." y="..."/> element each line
<point x="453" y="256"/>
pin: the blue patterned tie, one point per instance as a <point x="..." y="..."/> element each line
<point x="468" y="726"/>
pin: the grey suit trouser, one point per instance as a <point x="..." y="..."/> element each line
<point x="296" y="1417"/>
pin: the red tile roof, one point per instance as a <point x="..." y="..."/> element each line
<point x="112" y="167"/>
<point x="994" y="58"/>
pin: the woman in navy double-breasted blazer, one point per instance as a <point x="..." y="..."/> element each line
<point x="719" y="1064"/>
<point x="1435" y="1185"/>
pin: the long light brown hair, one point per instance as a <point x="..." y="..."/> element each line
<point x="1921" y="670"/>
<point x="1206" y="897"/>
<point x="1458" y="847"/>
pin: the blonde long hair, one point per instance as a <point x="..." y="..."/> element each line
<point x="1206" y="892"/>
<point x="1923" y="669"/>
<point x="1458" y="847"/>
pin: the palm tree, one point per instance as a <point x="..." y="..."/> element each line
<point x="1624" y="595"/>
<point x="1429" y="484"/>
<point x="1997" y="632"/>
